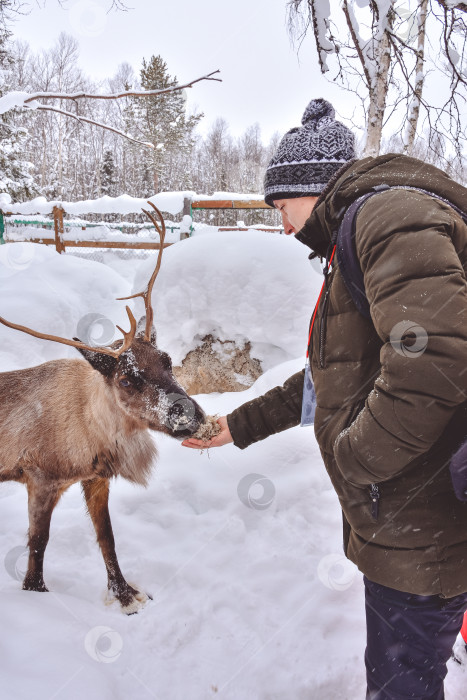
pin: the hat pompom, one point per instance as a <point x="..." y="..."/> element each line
<point x="318" y="109"/>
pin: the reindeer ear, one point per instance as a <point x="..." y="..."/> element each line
<point x="141" y="330"/>
<point x="105" y="364"/>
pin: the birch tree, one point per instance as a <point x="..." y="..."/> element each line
<point x="383" y="44"/>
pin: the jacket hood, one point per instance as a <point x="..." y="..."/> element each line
<point x="360" y="177"/>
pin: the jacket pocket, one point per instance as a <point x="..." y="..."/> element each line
<point x="354" y="413"/>
<point x="374" y="490"/>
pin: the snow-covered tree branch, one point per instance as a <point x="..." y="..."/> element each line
<point x="82" y="119"/>
<point x="383" y="43"/>
<point x="453" y="5"/>
<point x="95" y="96"/>
<point x="16" y="99"/>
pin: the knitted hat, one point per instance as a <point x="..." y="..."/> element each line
<point x="308" y="156"/>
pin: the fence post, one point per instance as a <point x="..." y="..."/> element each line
<point x="2" y="228"/>
<point x="59" y="230"/>
<point x="187" y="211"/>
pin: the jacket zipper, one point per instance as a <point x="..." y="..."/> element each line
<point x="322" y="329"/>
<point x="375" y="495"/>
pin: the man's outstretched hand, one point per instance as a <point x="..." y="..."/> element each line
<point x="222" y="438"/>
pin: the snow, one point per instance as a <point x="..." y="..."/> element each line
<point x="241" y="550"/>
<point x="94" y="232"/>
<point x="171" y="202"/>
<point x="322" y="11"/>
<point x="384" y="8"/>
<point x="55" y="295"/>
<point x="253" y="299"/>
<point x="13" y="99"/>
<point x="234" y="196"/>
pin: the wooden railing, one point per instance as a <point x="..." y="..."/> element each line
<point x="190" y="204"/>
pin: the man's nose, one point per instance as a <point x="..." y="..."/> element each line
<point x="288" y="228"/>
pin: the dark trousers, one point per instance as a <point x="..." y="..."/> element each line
<point x="409" y="641"/>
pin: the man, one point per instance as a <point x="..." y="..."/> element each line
<point x="391" y="390"/>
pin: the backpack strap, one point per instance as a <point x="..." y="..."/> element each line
<point x="346" y="250"/>
<point x="347" y="259"/>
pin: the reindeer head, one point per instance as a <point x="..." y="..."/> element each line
<point x="145" y="389"/>
<point x="137" y="372"/>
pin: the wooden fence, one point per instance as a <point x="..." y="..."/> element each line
<point x="189" y="205"/>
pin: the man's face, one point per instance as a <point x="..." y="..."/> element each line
<point x="295" y="212"/>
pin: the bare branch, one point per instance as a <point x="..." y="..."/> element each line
<point x="316" y="14"/>
<point x="449" y="50"/>
<point x="394" y="64"/>
<point x="320" y="26"/>
<point x="462" y="6"/>
<point x="80" y="118"/>
<point x="356" y="40"/>
<point x="119" y="5"/>
<point x="116" y="96"/>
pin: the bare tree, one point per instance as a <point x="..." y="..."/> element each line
<point x="384" y="45"/>
<point x="61" y="111"/>
<point x="414" y="104"/>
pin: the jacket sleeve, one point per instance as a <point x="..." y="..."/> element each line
<point x="416" y="287"/>
<point x="277" y="410"/>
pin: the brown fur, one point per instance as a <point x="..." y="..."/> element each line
<point x="68" y="420"/>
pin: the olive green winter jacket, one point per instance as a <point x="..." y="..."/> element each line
<point x="391" y="391"/>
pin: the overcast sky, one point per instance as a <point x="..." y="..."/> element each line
<point x="264" y="80"/>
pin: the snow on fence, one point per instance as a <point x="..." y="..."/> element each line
<point x="35" y="213"/>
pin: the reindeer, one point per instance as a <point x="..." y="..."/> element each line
<point x="69" y="420"/>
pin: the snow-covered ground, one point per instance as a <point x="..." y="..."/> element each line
<point x="241" y="550"/>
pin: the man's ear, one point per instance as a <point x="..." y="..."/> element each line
<point x="105" y="364"/>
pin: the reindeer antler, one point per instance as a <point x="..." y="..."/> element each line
<point x="127" y="337"/>
<point x="146" y="294"/>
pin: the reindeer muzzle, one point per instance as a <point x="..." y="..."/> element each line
<point x="184" y="416"/>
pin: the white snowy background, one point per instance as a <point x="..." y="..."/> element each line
<point x="241" y="550"/>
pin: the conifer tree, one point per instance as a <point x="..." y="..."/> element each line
<point x="163" y="122"/>
<point x="108" y="175"/>
<point x="15" y="169"/>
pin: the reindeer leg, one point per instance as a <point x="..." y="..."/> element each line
<point x="42" y="499"/>
<point x="96" y="494"/>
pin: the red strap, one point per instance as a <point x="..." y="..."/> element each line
<point x="317" y="303"/>
<point x="464" y="629"/>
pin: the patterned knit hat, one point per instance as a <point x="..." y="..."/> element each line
<point x="308" y="156"/>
